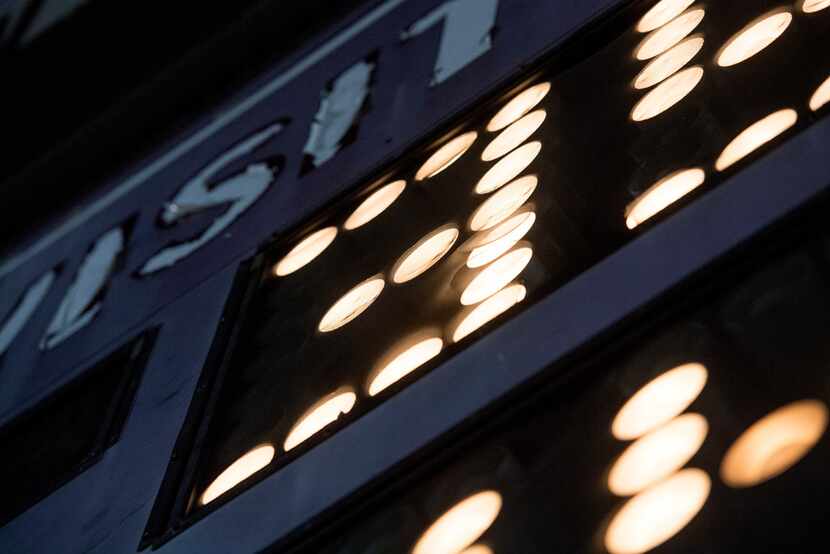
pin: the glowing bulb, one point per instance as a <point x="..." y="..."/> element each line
<point x="352" y="304"/>
<point x="755" y="136"/>
<point x="374" y="205"/>
<point x="503" y="203"/>
<point x="658" y="513"/>
<point x="661" y="13"/>
<point x="662" y="194"/>
<point x="489" y="310"/>
<point x="658" y="454"/>
<point x="812" y="6"/>
<point x="241" y="469"/>
<point x="322" y="414"/>
<point x="305" y="251"/>
<point x="518" y="106"/>
<point x="446" y="155"/>
<point x="821" y="96"/>
<point x="668" y="63"/>
<point x="513" y="136"/>
<point x="405" y="363"/>
<point x="508" y="168"/>
<point x="774" y="444"/>
<point x="670" y="34"/>
<point x="478" y="549"/>
<point x="461" y="525"/>
<point x="492" y="243"/>
<point x="496" y="276"/>
<point x="424" y="254"/>
<point x="659" y="401"/>
<point x="753" y="38"/>
<point x="667" y="94"/>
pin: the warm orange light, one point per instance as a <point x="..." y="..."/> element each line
<point x="774" y="444"/>
<point x="755" y="136"/>
<point x="305" y="251"/>
<point x="669" y="34"/>
<point x="461" y="525"/>
<point x="323" y="413"/>
<point x="496" y="276"/>
<point x="508" y="168"/>
<point x="753" y="38"/>
<point x="503" y="203"/>
<point x="488" y="310"/>
<point x="667" y="94"/>
<point x="661" y="13"/>
<point x="659" y="401"/>
<point x="405" y="362"/>
<point x="488" y="245"/>
<point x="513" y="136"/>
<point x="662" y="194"/>
<point x="658" y="513"/>
<point x="812" y="6"/>
<point x="352" y="304"/>
<point x="518" y="106"/>
<point x="424" y="254"/>
<point x="658" y="454"/>
<point x="374" y="205"/>
<point x="821" y="96"/>
<point x="668" y="63"/>
<point x="446" y="156"/>
<point x="241" y="469"/>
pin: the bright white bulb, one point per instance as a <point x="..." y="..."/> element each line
<point x="404" y="363"/>
<point x="488" y="245"/>
<point x="446" y="156"/>
<point x="667" y="94"/>
<point x="251" y="462"/>
<point x="753" y="38"/>
<point x="665" y="192"/>
<point x="352" y="304"/>
<point x="503" y="203"/>
<point x="375" y="204"/>
<point x="668" y="63"/>
<point x="488" y="310"/>
<point x="661" y="13"/>
<point x="508" y="168"/>
<point x="755" y="136"/>
<point x="461" y="525"/>
<point x="821" y="96"/>
<point x="496" y="276"/>
<point x="657" y="42"/>
<point x="518" y="106"/>
<point x="812" y="6"/>
<point x="513" y="136"/>
<point x="424" y="254"/>
<point x="322" y="414"/>
<point x="305" y="251"/>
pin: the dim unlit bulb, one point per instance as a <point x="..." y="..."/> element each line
<point x="753" y="38"/>
<point x="503" y="203"/>
<point x="508" y="168"/>
<point x="821" y="96"/>
<point x="661" y="13"/>
<point x="405" y="363"/>
<point x="305" y="251"/>
<point x="662" y="194"/>
<point x="424" y="254"/>
<point x="251" y="462"/>
<point x="488" y="310"/>
<point x="496" y="276"/>
<point x="513" y="136"/>
<point x="352" y="304"/>
<point x="657" y="42"/>
<point x="668" y="63"/>
<point x="461" y="525"/>
<point x="755" y="136"/>
<point x="667" y="94"/>
<point x="322" y="414"/>
<point x="446" y="156"/>
<point x="518" y="106"/>
<point x="375" y="204"/>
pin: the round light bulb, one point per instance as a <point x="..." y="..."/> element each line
<point x="821" y="96"/>
<point x="661" y="13"/>
<point x="753" y="38"/>
<point x="774" y="444"/>
<point x="665" y="192"/>
<point x="305" y="251"/>
<point x="405" y="363"/>
<point x="659" y="401"/>
<point x="352" y="304"/>
<point x="375" y="204"/>
<point x="508" y="168"/>
<point x="323" y="413"/>
<point x="513" y="136"/>
<point x="755" y="136"/>
<point x="658" y="513"/>
<point x="518" y="106"/>
<point x="658" y="454"/>
<point x="446" y="156"/>
<point x="496" y="276"/>
<point x="488" y="245"/>
<point x="424" y="254"/>
<point x="248" y="464"/>
<point x="667" y="94"/>
<point x="812" y="6"/>
<point x="461" y="525"/>
<point x="657" y="42"/>
<point x="503" y="203"/>
<point x="488" y="310"/>
<point x="668" y="63"/>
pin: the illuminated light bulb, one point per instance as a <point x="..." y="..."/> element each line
<point x="755" y="136"/>
<point x="661" y="13"/>
<point x="404" y="363"/>
<point x="668" y="63"/>
<point x="503" y="203"/>
<point x="658" y="454"/>
<point x="659" y="401"/>
<point x="499" y="239"/>
<point x="518" y="106"/>
<point x="508" y="168"/>
<point x="374" y="205"/>
<point x="513" y="136"/>
<point x="812" y="6"/>
<point x="658" y="513"/>
<point x="821" y="96"/>
<point x="667" y="94"/>
<point x="478" y="549"/>
<point x="488" y="310"/>
<point x="446" y="156"/>
<point x="753" y="38"/>
<point x="305" y="251"/>
<point x="665" y="192"/>
<point x="248" y="464"/>
<point x="424" y="254"/>
<point x="774" y="443"/>
<point x="323" y="413"/>
<point x="352" y="304"/>
<point x="657" y="42"/>
<point x="496" y="276"/>
<point x="461" y="525"/>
